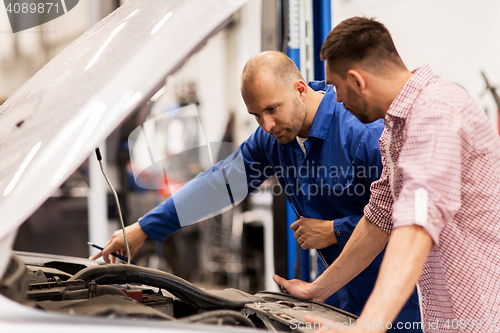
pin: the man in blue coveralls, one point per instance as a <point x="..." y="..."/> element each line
<point x="324" y="158"/>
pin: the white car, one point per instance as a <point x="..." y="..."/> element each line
<point x="51" y="125"/>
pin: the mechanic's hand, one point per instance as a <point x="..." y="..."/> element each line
<point x="313" y="233"/>
<point x="297" y="288"/>
<point x="116" y="243"/>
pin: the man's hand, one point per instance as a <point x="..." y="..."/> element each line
<point x="297" y="288"/>
<point x="366" y="242"/>
<point x="135" y="237"/>
<point x="313" y="233"/>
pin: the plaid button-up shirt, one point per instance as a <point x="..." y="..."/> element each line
<point x="441" y="159"/>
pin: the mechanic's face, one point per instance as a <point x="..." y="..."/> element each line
<point x="278" y="110"/>
<point x="353" y="100"/>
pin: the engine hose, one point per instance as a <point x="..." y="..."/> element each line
<point x="184" y="290"/>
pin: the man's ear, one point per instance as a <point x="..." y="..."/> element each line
<point x="301" y="88"/>
<point x="357" y="79"/>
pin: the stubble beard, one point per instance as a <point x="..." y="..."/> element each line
<point x="360" y="109"/>
<point x="298" y="120"/>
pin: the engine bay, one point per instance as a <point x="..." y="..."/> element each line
<point x="129" y="291"/>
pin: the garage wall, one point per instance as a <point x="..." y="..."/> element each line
<point x="215" y="71"/>
<point x="244" y="42"/>
<point x="457" y="38"/>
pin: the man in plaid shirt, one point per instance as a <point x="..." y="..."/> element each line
<point x="437" y="203"/>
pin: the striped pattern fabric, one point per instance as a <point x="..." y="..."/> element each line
<point x="438" y="139"/>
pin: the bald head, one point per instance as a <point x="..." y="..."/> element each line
<point x="271" y="66"/>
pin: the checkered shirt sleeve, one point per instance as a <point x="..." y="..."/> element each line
<point x="430" y="159"/>
<point x="379" y="208"/>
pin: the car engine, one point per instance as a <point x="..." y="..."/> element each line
<point x="119" y="290"/>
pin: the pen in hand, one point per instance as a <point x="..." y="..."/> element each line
<point x="119" y="256"/>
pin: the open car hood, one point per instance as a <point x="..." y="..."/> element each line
<point x="56" y="120"/>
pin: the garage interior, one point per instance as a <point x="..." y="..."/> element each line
<point x="241" y="248"/>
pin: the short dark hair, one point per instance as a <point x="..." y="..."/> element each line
<point x="359" y="41"/>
